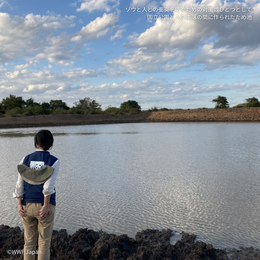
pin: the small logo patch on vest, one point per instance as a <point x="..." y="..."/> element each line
<point x="36" y="165"/>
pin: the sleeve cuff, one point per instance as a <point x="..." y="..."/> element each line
<point x="47" y="193"/>
<point x="16" y="196"/>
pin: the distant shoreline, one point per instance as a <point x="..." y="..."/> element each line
<point x="251" y="114"/>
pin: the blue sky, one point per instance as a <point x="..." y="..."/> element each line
<point x="169" y="53"/>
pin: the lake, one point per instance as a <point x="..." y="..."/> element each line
<point x="200" y="178"/>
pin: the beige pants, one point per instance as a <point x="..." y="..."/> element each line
<point x="34" y="225"/>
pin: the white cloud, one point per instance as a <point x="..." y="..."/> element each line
<point x="189" y="34"/>
<point x="139" y="3"/>
<point x="115" y="74"/>
<point x="66" y="63"/>
<point x="22" y="66"/>
<point x="13" y="75"/>
<point x="30" y="82"/>
<point x="143" y="3"/>
<point x="117" y="35"/>
<point x="75" y="83"/>
<point x="57" y="56"/>
<point x="214" y="58"/>
<point x="99" y="27"/>
<point x="22" y="36"/>
<point x="2" y="71"/>
<point x="182" y="34"/>
<point x="131" y="89"/>
<point x="171" y="3"/>
<point x="144" y="61"/>
<point x="76" y="38"/>
<point x="31" y="88"/>
<point x="7" y="89"/>
<point x="2" y="2"/>
<point x="132" y="37"/>
<point x="83" y="73"/>
<point x="162" y="93"/>
<point x="169" y="44"/>
<point x="32" y="37"/>
<point x="98" y="5"/>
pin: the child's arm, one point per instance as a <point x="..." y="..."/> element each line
<point x="19" y="188"/>
<point x="49" y="185"/>
<point x="45" y="210"/>
<point x="48" y="189"/>
<point x="18" y="193"/>
<point x="20" y="207"/>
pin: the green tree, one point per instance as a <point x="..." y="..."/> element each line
<point x="252" y="102"/>
<point x="130" y="106"/>
<point x="29" y="102"/>
<point x="87" y="104"/>
<point x="35" y="108"/>
<point x="221" y="102"/>
<point x="45" y="105"/>
<point x="12" y="102"/>
<point x="2" y="109"/>
<point x="54" y="104"/>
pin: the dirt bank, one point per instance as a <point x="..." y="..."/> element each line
<point x="196" y="115"/>
<point x="148" y="244"/>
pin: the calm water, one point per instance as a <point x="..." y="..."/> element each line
<point x="200" y="178"/>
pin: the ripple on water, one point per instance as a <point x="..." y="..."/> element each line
<point x="196" y="178"/>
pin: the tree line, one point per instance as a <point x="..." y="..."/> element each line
<point x="17" y="106"/>
<point x="221" y="102"/>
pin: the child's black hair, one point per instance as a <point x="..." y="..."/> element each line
<point x="44" y="139"/>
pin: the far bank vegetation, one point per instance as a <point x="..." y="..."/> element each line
<point x="14" y="106"/>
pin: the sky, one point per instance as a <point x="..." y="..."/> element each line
<point x="169" y="53"/>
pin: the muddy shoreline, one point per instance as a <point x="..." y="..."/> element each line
<point x="197" y="115"/>
<point x="148" y="244"/>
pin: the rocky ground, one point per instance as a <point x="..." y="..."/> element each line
<point x="148" y="244"/>
<point x="251" y="114"/>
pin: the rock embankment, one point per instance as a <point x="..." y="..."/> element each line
<point x="208" y="115"/>
<point x="148" y="244"/>
<point x="197" y="115"/>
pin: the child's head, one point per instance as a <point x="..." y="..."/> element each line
<point x="43" y="139"/>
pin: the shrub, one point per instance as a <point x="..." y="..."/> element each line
<point x="14" y="112"/>
<point x="75" y="110"/>
<point x="113" y="111"/>
<point x="153" y="109"/>
<point x="33" y="111"/>
<point x="59" y="111"/>
<point x="133" y="111"/>
<point x="96" y="111"/>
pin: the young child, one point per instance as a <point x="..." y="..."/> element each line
<point x="35" y="193"/>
